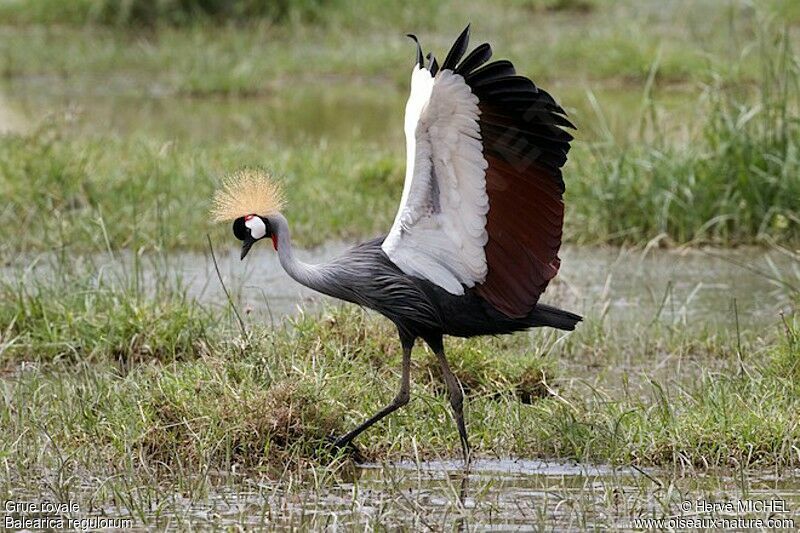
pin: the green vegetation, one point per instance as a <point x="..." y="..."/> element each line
<point x="137" y="193"/>
<point x="737" y="184"/>
<point x="722" y="170"/>
<point x="736" y="179"/>
<point x="91" y="393"/>
<point x="345" y="38"/>
<point x="272" y="404"/>
<point x="724" y="420"/>
<point x="86" y="321"/>
<point x="134" y="14"/>
<point x="91" y="368"/>
<point x="120" y="389"/>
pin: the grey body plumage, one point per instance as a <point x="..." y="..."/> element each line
<point x="364" y="275"/>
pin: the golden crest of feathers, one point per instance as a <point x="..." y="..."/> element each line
<point x="247" y="192"/>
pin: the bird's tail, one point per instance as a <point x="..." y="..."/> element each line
<point x="546" y="315"/>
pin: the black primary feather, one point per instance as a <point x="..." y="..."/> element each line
<point x="420" y="59"/>
<point x="513" y="109"/>
<point x="494" y="70"/>
<point x="457" y="51"/>
<point x="434" y="68"/>
<point x="475" y="59"/>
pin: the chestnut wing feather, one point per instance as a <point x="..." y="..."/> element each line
<point x="525" y="147"/>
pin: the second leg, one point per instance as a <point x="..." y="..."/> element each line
<point x="456" y="402"/>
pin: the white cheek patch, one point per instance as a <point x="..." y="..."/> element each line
<point x="257" y="228"/>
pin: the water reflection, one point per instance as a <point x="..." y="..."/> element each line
<point x="338" y="112"/>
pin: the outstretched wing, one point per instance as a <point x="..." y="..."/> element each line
<point x="482" y="201"/>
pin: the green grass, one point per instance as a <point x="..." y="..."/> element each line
<point x="121" y="394"/>
<point x="733" y="181"/>
<point x="726" y="421"/>
<point x="77" y="195"/>
<point x="135" y="14"/>
<point x="89" y="321"/>
<point x="127" y="396"/>
<point x="270" y="410"/>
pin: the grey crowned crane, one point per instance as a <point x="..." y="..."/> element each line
<point x="476" y="237"/>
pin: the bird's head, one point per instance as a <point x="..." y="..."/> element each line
<point x="252" y="228"/>
<point x="250" y="198"/>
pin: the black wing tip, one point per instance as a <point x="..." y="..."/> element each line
<point x="458" y="49"/>
<point x="434" y="65"/>
<point x="453" y="57"/>
<point x="516" y="96"/>
<point x="420" y="59"/>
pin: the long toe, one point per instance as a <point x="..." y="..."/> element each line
<point x="340" y="445"/>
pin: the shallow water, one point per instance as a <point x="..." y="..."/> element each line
<point x="495" y="494"/>
<point x="683" y="287"/>
<point x="337" y="112"/>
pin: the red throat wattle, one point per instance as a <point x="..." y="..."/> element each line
<point x="274" y="242"/>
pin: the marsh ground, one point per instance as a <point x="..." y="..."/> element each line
<point x="127" y="385"/>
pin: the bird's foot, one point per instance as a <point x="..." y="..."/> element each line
<point x="466" y="455"/>
<point x="338" y="445"/>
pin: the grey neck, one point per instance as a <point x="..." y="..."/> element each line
<point x="309" y="275"/>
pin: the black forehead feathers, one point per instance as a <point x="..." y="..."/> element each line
<point x="240" y="230"/>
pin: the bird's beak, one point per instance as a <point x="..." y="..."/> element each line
<point x="246" y="245"/>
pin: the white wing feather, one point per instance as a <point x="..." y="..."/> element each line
<point x="439" y="232"/>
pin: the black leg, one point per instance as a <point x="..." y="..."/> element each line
<point x="399" y="401"/>
<point x="456" y="402"/>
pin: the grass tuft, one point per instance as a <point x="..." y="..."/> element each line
<point x="195" y="416"/>
<point x="96" y="321"/>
